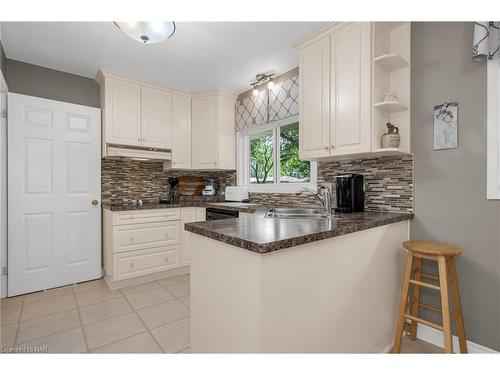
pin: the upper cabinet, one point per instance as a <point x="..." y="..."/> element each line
<point x="121" y="108"/>
<point x="156" y="105"/>
<point x="181" y="132"/>
<point x="134" y="113"/>
<point x="350" y="90"/>
<point x="213" y="131"/>
<point x="339" y="113"/>
<point x="199" y="130"/>
<point x="314" y="94"/>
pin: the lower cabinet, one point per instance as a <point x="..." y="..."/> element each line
<point x="144" y="262"/>
<point x="189" y="215"/>
<point x="139" y="244"/>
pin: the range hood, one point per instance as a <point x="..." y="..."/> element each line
<point x="137" y="153"/>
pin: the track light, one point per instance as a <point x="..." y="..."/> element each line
<point x="260" y="79"/>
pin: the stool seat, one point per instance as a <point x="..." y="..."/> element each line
<point x="432" y="248"/>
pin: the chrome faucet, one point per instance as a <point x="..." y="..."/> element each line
<point x="323" y="194"/>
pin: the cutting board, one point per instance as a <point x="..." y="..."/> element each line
<point x="191" y="185"/>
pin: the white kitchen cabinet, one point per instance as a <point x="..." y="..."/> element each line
<point x="134" y="113"/>
<point x="145" y="262"/>
<point x="350" y="92"/>
<point x="335" y="91"/>
<point x="314" y="86"/>
<point x="201" y="214"/>
<point x="139" y="245"/>
<point x="181" y="132"/>
<point x="213" y="132"/>
<point x="156" y="117"/>
<point x="189" y="215"/>
<point x="121" y="112"/>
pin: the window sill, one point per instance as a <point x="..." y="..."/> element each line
<point x="290" y="188"/>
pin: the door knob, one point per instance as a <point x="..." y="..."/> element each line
<point x="95" y="202"/>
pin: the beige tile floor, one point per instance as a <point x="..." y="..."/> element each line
<point x="90" y="318"/>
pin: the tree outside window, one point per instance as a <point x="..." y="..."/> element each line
<point x="275" y="153"/>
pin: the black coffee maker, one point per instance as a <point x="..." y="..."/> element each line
<point x="350" y="192"/>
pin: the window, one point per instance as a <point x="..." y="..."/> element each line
<point x="269" y="159"/>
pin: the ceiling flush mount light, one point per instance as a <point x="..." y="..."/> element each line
<point x="259" y="80"/>
<point x="148" y="32"/>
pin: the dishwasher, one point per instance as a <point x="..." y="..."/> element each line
<point x="220" y="213"/>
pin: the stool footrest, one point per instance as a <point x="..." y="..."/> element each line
<point x="423" y="321"/>
<point x="425" y="285"/>
<point x="430" y="307"/>
<point x="429" y="276"/>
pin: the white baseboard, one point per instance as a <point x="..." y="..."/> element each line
<point x="435" y="337"/>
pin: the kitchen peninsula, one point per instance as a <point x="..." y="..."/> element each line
<point x="261" y="285"/>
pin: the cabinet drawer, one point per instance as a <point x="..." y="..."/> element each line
<point x="144" y="262"/>
<point x="146" y="216"/>
<point x="141" y="236"/>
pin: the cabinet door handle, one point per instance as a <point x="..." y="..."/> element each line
<point x="139" y="139"/>
<point x="132" y="265"/>
<point x="332" y="146"/>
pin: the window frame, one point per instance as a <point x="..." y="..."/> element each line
<point x="243" y="161"/>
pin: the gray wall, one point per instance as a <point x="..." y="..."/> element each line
<point x="450" y="185"/>
<point x="28" y="79"/>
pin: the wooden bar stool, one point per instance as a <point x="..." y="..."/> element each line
<point x="444" y="255"/>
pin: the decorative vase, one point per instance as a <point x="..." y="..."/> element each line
<point x="392" y="138"/>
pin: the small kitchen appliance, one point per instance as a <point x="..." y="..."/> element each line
<point x="173" y="193"/>
<point x="350" y="193"/>
<point x="236" y="194"/>
<point x="210" y="187"/>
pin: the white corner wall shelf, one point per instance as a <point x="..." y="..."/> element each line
<point x="391" y="61"/>
<point x="391" y="106"/>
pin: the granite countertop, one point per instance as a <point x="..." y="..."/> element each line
<point x="263" y="235"/>
<point x="233" y="206"/>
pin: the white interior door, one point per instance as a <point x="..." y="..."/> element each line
<point x="54" y="168"/>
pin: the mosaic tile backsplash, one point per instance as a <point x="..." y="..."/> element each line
<point x="388" y="182"/>
<point x="126" y="180"/>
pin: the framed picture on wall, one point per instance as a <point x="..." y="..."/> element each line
<point x="446" y="126"/>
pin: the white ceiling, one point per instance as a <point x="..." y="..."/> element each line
<point x="200" y="56"/>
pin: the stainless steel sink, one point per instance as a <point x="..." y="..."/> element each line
<point x="297" y="213"/>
